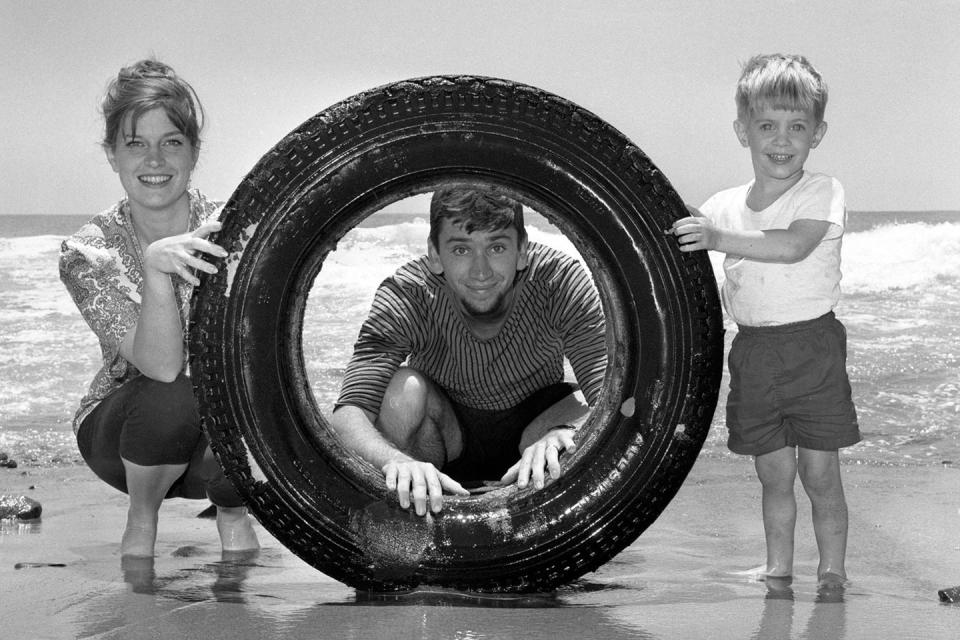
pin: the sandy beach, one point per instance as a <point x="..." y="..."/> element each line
<point x="61" y="577"/>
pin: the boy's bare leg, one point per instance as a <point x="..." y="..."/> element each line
<point x="777" y="471"/>
<point x="820" y="475"/>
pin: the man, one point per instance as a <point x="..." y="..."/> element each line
<point x="457" y="375"/>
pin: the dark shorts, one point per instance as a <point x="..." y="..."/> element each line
<point x="150" y="423"/>
<point x="789" y="388"/>
<point x="491" y="439"/>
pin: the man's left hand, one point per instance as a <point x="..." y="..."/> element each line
<point x="544" y="454"/>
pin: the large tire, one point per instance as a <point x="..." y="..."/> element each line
<point x="665" y="337"/>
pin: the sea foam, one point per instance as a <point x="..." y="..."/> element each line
<point x="901" y="256"/>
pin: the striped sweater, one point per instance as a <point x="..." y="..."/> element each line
<point x="414" y="321"/>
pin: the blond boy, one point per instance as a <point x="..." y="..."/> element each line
<point x="790" y="403"/>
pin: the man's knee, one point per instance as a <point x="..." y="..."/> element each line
<point x="417" y="418"/>
<point x="404" y="406"/>
<point x="406" y="397"/>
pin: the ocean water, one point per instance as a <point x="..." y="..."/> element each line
<point x="901" y="307"/>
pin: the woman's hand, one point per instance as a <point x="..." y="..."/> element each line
<point x="183" y="254"/>
<point x="155" y="345"/>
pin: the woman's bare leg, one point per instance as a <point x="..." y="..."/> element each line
<point x="147" y="487"/>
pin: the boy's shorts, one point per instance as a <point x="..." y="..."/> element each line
<point x="789" y="388"/>
<point x="491" y="439"/>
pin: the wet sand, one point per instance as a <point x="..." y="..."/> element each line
<point x="61" y="577"/>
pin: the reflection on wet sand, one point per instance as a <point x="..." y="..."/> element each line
<point x="140" y="574"/>
<point x="827" y="618"/>
<point x="238" y="596"/>
<point x="430" y="596"/>
<point x="229" y="575"/>
<point x="240" y="593"/>
<point x="271" y="594"/>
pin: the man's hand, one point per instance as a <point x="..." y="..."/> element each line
<point x="422" y="480"/>
<point x="542" y="454"/>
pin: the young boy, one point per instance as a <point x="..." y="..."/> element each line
<point x="790" y="404"/>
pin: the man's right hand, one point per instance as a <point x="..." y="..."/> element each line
<point x="420" y="480"/>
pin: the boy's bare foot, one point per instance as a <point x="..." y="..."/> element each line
<point x="236" y="529"/>
<point x="138" y="540"/>
<point x="830" y="579"/>
<point x="779" y="588"/>
<point x="831" y="587"/>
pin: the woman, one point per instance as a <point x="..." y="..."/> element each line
<point x="131" y="271"/>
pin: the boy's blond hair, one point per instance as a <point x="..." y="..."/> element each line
<point x="780" y="81"/>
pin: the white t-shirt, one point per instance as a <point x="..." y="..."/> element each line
<point x="769" y="293"/>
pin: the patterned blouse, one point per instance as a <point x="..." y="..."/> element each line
<point x="101" y="266"/>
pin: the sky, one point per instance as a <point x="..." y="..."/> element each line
<point x="661" y="72"/>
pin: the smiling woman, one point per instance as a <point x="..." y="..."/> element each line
<point x="663" y="337"/>
<point x="131" y="271"/>
<point x="154" y="161"/>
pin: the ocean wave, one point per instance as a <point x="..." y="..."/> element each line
<point x="30" y="247"/>
<point x="893" y="257"/>
<point x="900" y="301"/>
<point x="901" y="256"/>
<point x="884" y="258"/>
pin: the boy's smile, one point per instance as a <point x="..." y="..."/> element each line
<point x="779" y="141"/>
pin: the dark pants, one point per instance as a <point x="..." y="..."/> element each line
<point x="149" y="423"/>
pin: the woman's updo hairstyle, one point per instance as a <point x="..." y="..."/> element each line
<point x="146" y="85"/>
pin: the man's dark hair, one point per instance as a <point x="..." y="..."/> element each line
<point x="476" y="209"/>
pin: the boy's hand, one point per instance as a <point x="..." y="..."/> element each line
<point x="695" y="233"/>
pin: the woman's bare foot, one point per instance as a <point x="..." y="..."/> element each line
<point x="236" y="529"/>
<point x="138" y="540"/>
<point x="761" y="573"/>
<point x="138" y="572"/>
